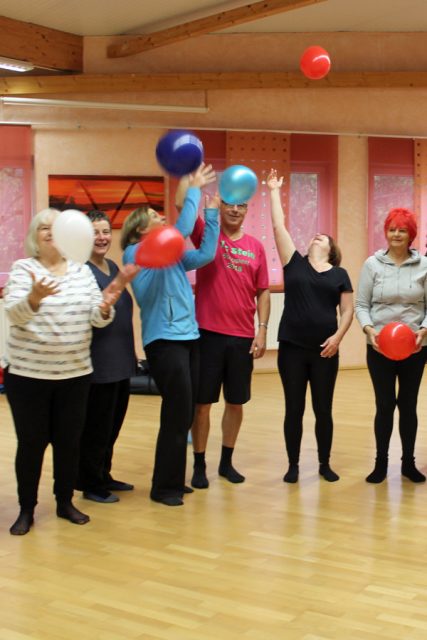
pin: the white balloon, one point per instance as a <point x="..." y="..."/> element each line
<point x="73" y="235"/>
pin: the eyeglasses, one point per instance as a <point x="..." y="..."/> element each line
<point x="240" y="207"/>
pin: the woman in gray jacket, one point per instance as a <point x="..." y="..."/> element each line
<point x="393" y="288"/>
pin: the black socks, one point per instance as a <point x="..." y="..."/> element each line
<point x="23" y="523"/>
<point x="327" y="473"/>
<point x="380" y="470"/>
<point x="199" y="479"/>
<point x="226" y="469"/>
<point x="169" y="501"/>
<point x="69" y="512"/>
<point x="410" y="471"/>
<point x="229" y="472"/>
<point x="292" y="473"/>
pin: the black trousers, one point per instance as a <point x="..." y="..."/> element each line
<point x="384" y="375"/>
<point x="298" y="367"/>
<point x="106" y="411"/>
<point x="174" y="365"/>
<point x="47" y="411"/>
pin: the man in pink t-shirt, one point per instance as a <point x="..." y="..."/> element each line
<point x="229" y="291"/>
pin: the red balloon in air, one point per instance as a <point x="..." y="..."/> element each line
<point x="161" y="247"/>
<point x="396" y="341"/>
<point x="315" y="63"/>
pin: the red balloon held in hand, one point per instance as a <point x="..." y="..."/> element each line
<point x="396" y="341"/>
<point x="160" y="247"/>
<point x="315" y="63"/>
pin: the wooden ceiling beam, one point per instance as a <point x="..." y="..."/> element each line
<point x="41" y="46"/>
<point x="133" y="82"/>
<point x="216" y="22"/>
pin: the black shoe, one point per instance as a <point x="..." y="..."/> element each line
<point x="23" y="523"/>
<point x="118" y="485"/>
<point x="105" y="497"/>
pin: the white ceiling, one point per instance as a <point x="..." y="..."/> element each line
<point x="115" y="17"/>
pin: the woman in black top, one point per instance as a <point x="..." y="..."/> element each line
<point x="309" y="335"/>
<point x="114" y="363"/>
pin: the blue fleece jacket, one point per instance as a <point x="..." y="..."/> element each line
<point x="164" y="295"/>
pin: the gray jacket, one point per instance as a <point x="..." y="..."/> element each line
<point x="391" y="293"/>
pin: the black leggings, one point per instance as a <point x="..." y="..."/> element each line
<point x="384" y="374"/>
<point x="47" y="411"/>
<point x="174" y="365"/>
<point x="297" y="368"/>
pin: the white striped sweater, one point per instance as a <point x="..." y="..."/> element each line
<point x="52" y="343"/>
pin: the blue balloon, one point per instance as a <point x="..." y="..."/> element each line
<point x="237" y="184"/>
<point x="179" y="152"/>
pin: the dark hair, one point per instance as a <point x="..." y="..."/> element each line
<point x="335" y="255"/>
<point x="98" y="216"/>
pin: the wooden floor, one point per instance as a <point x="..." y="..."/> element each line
<point x="258" y="561"/>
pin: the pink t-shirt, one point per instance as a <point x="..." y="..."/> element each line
<point x="226" y="288"/>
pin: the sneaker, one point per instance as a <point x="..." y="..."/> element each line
<point x="101" y="496"/>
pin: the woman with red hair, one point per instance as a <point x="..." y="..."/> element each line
<point x="393" y="288"/>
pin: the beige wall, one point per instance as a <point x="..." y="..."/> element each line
<point x="352" y="228"/>
<point x="133" y="151"/>
<point x="121" y="142"/>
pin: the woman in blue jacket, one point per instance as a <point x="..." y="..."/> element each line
<point x="170" y="332"/>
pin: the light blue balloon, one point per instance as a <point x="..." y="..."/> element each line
<point x="237" y="184"/>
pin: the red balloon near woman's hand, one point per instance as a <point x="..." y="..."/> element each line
<point x="160" y="247"/>
<point x="396" y="341"/>
<point x="315" y="63"/>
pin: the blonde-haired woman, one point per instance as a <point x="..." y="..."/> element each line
<point x="51" y="304"/>
<point x="170" y="333"/>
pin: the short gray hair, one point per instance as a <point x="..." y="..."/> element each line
<point x="44" y="216"/>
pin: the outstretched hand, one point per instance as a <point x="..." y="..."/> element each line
<point x="202" y="176"/>
<point x="114" y="290"/>
<point x="41" y="289"/>
<point x="212" y="202"/>
<point x="273" y="182"/>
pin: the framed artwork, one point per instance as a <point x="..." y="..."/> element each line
<point x="116" y="196"/>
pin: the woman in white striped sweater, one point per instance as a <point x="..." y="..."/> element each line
<point x="51" y="304"/>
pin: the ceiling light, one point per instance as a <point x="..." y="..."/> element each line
<point x="80" y="104"/>
<point x="15" y="65"/>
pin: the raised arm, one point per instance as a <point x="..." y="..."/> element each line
<point x="284" y="243"/>
<point x="196" y="258"/>
<point x="188" y="197"/>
